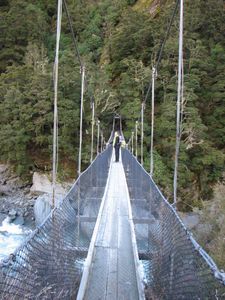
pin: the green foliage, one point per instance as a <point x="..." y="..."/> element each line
<point x="211" y="232"/>
<point x="20" y="23"/>
<point x="160" y="169"/>
<point x="119" y="44"/>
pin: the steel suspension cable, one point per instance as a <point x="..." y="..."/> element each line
<point x="80" y="144"/>
<point x="152" y="121"/>
<point x="121" y="128"/>
<point x="92" y="129"/>
<point x="132" y="142"/>
<point x="57" y="143"/>
<point x="160" y="52"/>
<point x="179" y="95"/>
<point x="113" y="124"/>
<point x="98" y="133"/>
<point x="81" y="117"/>
<point x="136" y="139"/>
<point x="55" y="118"/>
<point x="101" y="142"/>
<point x="142" y="131"/>
<point x="128" y="144"/>
<point x="73" y="34"/>
<point x="182" y="99"/>
<point x="84" y="81"/>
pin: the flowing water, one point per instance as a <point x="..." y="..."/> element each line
<point x="11" y="237"/>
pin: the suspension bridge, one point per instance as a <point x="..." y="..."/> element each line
<point x="114" y="235"/>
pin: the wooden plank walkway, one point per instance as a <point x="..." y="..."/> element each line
<point x="112" y="267"/>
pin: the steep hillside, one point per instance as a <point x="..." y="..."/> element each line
<point x="119" y="42"/>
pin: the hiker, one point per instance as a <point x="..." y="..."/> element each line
<point x="116" y="145"/>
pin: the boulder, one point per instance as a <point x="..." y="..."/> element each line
<point x="42" y="184"/>
<point x="2" y="218"/>
<point x="190" y="220"/>
<point x="15" y="182"/>
<point x="19" y="221"/>
<point x="42" y="209"/>
<point x="12" y="215"/>
<point x="4" y="190"/>
<point x="43" y="206"/>
<point x="12" y="212"/>
<point x="3" y="168"/>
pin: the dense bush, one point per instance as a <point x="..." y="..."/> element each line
<point x="118" y="41"/>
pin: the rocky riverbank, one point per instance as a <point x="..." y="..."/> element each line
<point x="23" y="206"/>
<point x="16" y="201"/>
<point x="23" y="202"/>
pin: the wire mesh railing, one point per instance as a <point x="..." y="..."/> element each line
<point x="176" y="267"/>
<point x="49" y="264"/>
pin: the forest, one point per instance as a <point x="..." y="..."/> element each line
<point x="118" y="42"/>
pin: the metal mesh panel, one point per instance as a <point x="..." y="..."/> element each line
<point x="176" y="266"/>
<point x="49" y="264"/>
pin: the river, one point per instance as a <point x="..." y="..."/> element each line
<point x="11" y="237"/>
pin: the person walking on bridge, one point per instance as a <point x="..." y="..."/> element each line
<point x="116" y="145"/>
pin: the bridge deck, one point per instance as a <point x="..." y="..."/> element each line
<point x="112" y="272"/>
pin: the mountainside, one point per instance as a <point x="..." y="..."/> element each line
<point x="118" y="41"/>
